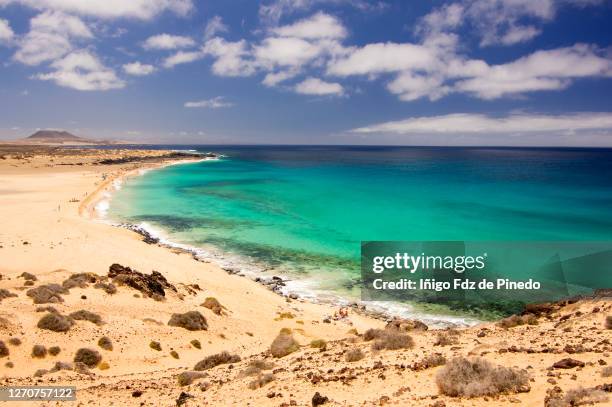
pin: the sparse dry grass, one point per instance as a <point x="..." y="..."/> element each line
<point x="261" y="381"/>
<point x="353" y="355"/>
<point x="284" y="344"/>
<point x="39" y="351"/>
<point x="478" y="377"/>
<point x="518" y="320"/>
<point x="89" y="357"/>
<point x="84" y="315"/>
<point x="446" y="338"/>
<point x="105" y="343"/>
<point x="256" y="366"/>
<point x="214" y="305"/>
<point x="48" y="293"/>
<point x="216" y="360"/>
<point x="186" y="378"/>
<point x="55" y="322"/>
<point x="4" y="293"/>
<point x="319" y="344"/>
<point x="192" y="321"/>
<point x="14" y="341"/>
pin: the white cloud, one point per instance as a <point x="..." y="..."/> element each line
<point x="214" y="103"/>
<point x="285" y="51"/>
<point x="320" y="25"/>
<point x="138" y="69"/>
<point x="515" y="35"/>
<point x="383" y="57"/>
<point x="182" y="57"/>
<point x="315" y="86"/>
<point x="272" y="11"/>
<point x="274" y="78"/>
<point x="6" y="33"/>
<point x="51" y="36"/>
<point x="514" y="124"/>
<point x="140" y="9"/>
<point x="410" y="86"/>
<point x="168" y="41"/>
<point x="232" y="58"/>
<point x="82" y="70"/>
<point x="543" y="70"/>
<point x="213" y="27"/>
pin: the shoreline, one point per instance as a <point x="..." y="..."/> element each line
<point x="277" y="284"/>
<point x="45" y="244"/>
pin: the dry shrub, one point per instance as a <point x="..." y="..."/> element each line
<point x="393" y="340"/>
<point x="256" y="366"/>
<point x="39" y="351"/>
<point x="4" y="293"/>
<point x="15" y="341"/>
<point x="109" y="288"/>
<point x="196" y="344"/>
<point x="284" y="344"/>
<point x="104" y="365"/>
<point x="152" y="321"/>
<point x="319" y="344"/>
<point x="186" y="378"/>
<point x="478" y="377"/>
<point x="606" y="372"/>
<point x="174" y="354"/>
<point x="84" y="315"/>
<point x="40" y="373"/>
<point x="105" y="343"/>
<point x="406" y="325"/>
<point x="61" y="366"/>
<point x="353" y="355"/>
<point x="518" y="320"/>
<point x="192" y="321"/>
<point x="608" y="323"/>
<point x="47" y="308"/>
<point x="432" y="360"/>
<point x="80" y="280"/>
<point x="4" y="350"/>
<point x="373" y="334"/>
<point x="214" y="305"/>
<point x="445" y="338"/>
<point x="583" y="397"/>
<point x="89" y="357"/>
<point x="155" y="345"/>
<point x="261" y="381"/>
<point x="28" y="276"/>
<point x="48" y="293"/>
<point x="284" y="315"/>
<point x="54" y="350"/>
<point x="216" y="360"/>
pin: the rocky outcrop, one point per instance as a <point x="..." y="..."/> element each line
<point x="154" y="284"/>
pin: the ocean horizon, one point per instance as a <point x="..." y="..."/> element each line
<point x="301" y="212"/>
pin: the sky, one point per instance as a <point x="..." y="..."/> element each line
<point x="378" y="72"/>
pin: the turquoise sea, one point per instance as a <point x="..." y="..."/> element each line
<point x="301" y="212"/>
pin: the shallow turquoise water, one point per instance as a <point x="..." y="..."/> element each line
<point x="304" y="210"/>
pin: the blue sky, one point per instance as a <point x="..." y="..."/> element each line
<point x="458" y="72"/>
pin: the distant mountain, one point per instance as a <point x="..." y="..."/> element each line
<point x="61" y="137"/>
<point x="54" y="135"/>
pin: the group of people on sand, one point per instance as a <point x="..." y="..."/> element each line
<point x="341" y="313"/>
